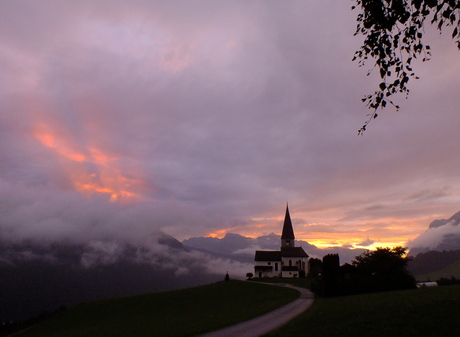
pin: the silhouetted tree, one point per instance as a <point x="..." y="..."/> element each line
<point x="393" y="31"/>
<point x="383" y="269"/>
<point x="314" y="267"/>
<point x="227" y="277"/>
<point x="443" y="281"/>
<point x="331" y="274"/>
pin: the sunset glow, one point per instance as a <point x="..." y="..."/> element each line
<point x="49" y="140"/>
<point x="103" y="178"/>
<point x="362" y="236"/>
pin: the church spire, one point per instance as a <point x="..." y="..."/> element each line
<point x="287" y="236"/>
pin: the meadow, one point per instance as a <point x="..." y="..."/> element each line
<point x="190" y="312"/>
<point x="420" y="312"/>
<point x="179" y="313"/>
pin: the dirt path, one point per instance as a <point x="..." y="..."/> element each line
<point x="270" y="321"/>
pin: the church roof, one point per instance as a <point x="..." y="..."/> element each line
<point x="293" y="252"/>
<point x="288" y="232"/>
<point x="268" y="255"/>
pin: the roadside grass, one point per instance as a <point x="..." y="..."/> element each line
<point x="420" y="312"/>
<point x="180" y="313"/>
<point x="298" y="282"/>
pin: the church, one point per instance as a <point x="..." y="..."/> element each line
<point x="290" y="261"/>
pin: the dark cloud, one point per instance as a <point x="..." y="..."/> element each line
<point x="366" y="243"/>
<point x="427" y="195"/>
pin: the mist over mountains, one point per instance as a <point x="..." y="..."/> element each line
<point x="37" y="278"/>
<point x="441" y="235"/>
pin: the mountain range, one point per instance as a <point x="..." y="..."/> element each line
<point x="37" y="278"/>
<point x="242" y="248"/>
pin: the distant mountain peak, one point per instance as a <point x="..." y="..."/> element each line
<point x="456" y="218"/>
<point x="453" y="220"/>
<point x="442" y="234"/>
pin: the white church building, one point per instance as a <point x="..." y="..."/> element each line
<point x="289" y="261"/>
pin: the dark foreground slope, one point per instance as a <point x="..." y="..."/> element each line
<point x="37" y="279"/>
<point x="185" y="312"/>
<point x="38" y="288"/>
<point x="429" y="312"/>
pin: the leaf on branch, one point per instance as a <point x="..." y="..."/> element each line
<point x="447" y="13"/>
<point x="393" y="32"/>
<point x="431" y="3"/>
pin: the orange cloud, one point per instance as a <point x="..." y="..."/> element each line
<point x="49" y="140"/>
<point x="105" y="177"/>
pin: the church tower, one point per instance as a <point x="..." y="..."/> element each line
<point x="290" y="261"/>
<point x="287" y="236"/>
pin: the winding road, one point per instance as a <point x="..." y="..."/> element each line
<point x="264" y="324"/>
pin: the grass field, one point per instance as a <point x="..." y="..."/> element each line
<point x="422" y="312"/>
<point x="185" y="312"/>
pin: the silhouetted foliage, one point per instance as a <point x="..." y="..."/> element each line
<point x="331" y="274"/>
<point x="373" y="271"/>
<point x="383" y="269"/>
<point x="443" y="281"/>
<point x="393" y="31"/>
<point x="314" y="267"/>
<point x="326" y="275"/>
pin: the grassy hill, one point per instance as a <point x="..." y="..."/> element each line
<point x="185" y="312"/>
<point x="452" y="270"/>
<point x="188" y="312"/>
<point x="421" y="312"/>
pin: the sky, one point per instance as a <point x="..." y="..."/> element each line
<point x="119" y="119"/>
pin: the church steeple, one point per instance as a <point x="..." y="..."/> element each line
<point x="287" y="236"/>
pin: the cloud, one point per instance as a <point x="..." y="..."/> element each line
<point x="445" y="237"/>
<point x="366" y="243"/>
<point x="44" y="214"/>
<point x="427" y="195"/>
<point x="121" y="119"/>
<point x="101" y="253"/>
<point x="247" y="251"/>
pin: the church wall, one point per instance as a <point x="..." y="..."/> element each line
<point x="290" y="274"/>
<point x="267" y="269"/>
<point x="300" y="262"/>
